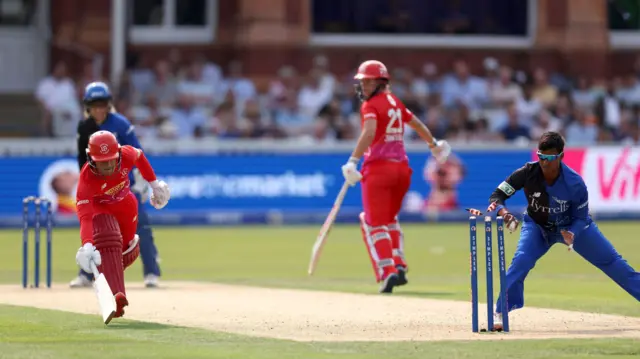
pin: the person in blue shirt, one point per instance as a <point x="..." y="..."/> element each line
<point x="100" y="115"/>
<point x="557" y="212"/>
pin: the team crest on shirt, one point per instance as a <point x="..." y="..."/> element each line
<point x="117" y="188"/>
<point x="124" y="172"/>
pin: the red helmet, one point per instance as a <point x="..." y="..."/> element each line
<point x="103" y="146"/>
<point x="372" y="69"/>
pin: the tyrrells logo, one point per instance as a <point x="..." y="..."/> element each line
<point x="562" y="205"/>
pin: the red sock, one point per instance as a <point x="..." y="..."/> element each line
<point x="397" y="244"/>
<point x="382" y="243"/>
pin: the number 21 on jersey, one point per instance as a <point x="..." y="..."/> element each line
<point x="395" y="118"/>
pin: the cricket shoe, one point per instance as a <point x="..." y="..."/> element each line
<point x="151" y="281"/>
<point x="81" y="282"/>
<point x="121" y="302"/>
<point x="402" y="275"/>
<point x="389" y="282"/>
<point x="497" y="322"/>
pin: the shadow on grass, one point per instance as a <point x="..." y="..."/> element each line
<point x="128" y="325"/>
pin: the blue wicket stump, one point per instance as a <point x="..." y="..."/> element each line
<point x="503" y="274"/>
<point x="488" y="244"/>
<point x="474" y="273"/>
<point x="38" y="204"/>
<point x="489" y="273"/>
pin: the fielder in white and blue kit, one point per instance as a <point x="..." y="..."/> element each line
<point x="557" y="212"/>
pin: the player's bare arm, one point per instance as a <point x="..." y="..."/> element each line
<point x="440" y="149"/>
<point x="423" y="131"/>
<point x="364" y="141"/>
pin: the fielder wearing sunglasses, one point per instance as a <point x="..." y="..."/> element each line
<point x="557" y="212"/>
<point x="548" y="157"/>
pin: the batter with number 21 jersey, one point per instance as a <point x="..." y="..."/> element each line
<point x="385" y="172"/>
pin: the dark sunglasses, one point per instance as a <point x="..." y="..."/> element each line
<point x="549" y="158"/>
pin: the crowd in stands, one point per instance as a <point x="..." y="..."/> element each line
<point x="201" y="99"/>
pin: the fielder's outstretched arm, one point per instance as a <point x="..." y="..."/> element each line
<point x="506" y="189"/>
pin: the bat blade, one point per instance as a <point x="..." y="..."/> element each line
<point x="321" y="239"/>
<point x="106" y="300"/>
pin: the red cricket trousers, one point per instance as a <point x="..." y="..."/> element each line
<point x="384" y="185"/>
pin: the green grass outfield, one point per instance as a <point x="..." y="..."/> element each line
<point x="438" y="256"/>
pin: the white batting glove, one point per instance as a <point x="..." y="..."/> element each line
<point x="161" y="194"/>
<point x="87" y="254"/>
<point x="350" y="172"/>
<point x="442" y="151"/>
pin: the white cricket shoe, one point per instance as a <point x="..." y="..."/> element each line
<point x="497" y="321"/>
<point x="151" y="281"/>
<point x="81" y="282"/>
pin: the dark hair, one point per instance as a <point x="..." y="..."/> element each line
<point x="551" y="140"/>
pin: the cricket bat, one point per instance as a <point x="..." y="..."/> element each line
<point x="106" y="300"/>
<point x="325" y="229"/>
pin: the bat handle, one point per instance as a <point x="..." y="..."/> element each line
<point x="94" y="269"/>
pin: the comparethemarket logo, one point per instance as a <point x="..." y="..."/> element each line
<point x="287" y="184"/>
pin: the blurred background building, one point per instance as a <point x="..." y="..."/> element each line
<point x="203" y="72"/>
<point x="474" y="70"/>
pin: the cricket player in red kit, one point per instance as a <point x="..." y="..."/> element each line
<point x="385" y="172"/>
<point x="108" y="210"/>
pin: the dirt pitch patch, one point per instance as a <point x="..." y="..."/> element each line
<point x="320" y="316"/>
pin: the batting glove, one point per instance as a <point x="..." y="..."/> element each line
<point x="350" y="172"/>
<point x="442" y="151"/>
<point x="161" y="194"/>
<point x="87" y="254"/>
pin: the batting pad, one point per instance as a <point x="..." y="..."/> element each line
<point x="131" y="254"/>
<point x="108" y="240"/>
<point x="371" y="250"/>
<point x="397" y="242"/>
